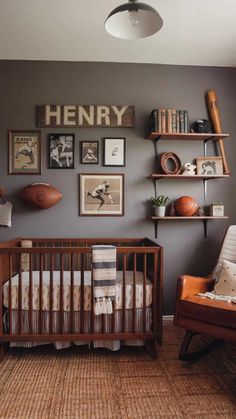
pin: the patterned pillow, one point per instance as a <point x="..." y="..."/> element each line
<point x="226" y="284"/>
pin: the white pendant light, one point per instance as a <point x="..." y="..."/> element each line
<point x="133" y="20"/>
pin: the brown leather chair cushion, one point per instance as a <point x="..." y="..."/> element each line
<point x="209" y="311"/>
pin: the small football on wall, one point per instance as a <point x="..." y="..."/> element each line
<point x="41" y="195"/>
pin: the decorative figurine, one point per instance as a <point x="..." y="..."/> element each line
<point x="189" y="169"/>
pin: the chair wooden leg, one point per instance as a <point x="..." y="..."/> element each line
<point x="152" y="348"/>
<point x="185" y="344"/>
<point x="2" y="351"/>
<point x="195" y="356"/>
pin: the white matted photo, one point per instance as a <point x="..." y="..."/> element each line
<point x="209" y="166"/>
<point x="114" y="151"/>
<point x="102" y="194"/>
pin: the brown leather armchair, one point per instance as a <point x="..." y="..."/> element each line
<point x="202" y="315"/>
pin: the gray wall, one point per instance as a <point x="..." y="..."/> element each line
<point x="26" y="84"/>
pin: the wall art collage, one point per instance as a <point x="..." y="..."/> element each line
<point x="100" y="194"/>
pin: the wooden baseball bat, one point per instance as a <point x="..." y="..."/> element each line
<point x="216" y="122"/>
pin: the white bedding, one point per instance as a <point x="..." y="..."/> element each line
<point x="66" y="291"/>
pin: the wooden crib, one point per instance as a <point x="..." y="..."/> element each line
<point x="47" y="292"/>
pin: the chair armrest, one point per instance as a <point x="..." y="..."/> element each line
<point x="189" y="285"/>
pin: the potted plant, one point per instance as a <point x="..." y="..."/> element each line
<point x="159" y="204"/>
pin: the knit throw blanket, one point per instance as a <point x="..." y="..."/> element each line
<point x="104" y="278"/>
<point x="218" y="297"/>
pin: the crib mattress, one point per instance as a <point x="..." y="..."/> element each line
<point x="77" y="290"/>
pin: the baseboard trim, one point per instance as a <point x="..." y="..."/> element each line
<point x="168" y="318"/>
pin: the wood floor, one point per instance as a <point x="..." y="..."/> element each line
<point x="78" y="383"/>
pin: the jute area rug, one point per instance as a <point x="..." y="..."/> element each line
<point x="98" y="384"/>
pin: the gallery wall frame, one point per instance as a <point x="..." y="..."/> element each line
<point x="61" y="151"/>
<point x="114" y="151"/>
<point x="101" y="194"/>
<point x="24" y="152"/>
<point x="89" y="152"/>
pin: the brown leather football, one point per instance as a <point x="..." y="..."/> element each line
<point x="41" y="195"/>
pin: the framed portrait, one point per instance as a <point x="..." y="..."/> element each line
<point x="209" y="166"/>
<point x="61" y="151"/>
<point x="101" y="194"/>
<point x="89" y="152"/>
<point x="114" y="152"/>
<point x="24" y="152"/>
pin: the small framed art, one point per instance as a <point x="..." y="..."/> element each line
<point x="89" y="152"/>
<point x="114" y="152"/>
<point x="209" y="166"/>
<point x="61" y="151"/>
<point x="102" y="194"/>
<point x="24" y="153"/>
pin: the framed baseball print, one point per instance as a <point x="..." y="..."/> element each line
<point x="24" y="152"/>
<point x="102" y="194"/>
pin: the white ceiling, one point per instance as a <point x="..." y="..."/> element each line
<point x="195" y="32"/>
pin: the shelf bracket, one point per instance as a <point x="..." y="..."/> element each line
<point x="205" y="228"/>
<point x="205" y="189"/>
<point x="156" y="228"/>
<point x="205" y="148"/>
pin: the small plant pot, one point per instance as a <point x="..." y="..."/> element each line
<point x="160" y="211"/>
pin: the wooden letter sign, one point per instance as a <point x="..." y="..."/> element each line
<point x="84" y="116"/>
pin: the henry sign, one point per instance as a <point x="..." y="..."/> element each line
<point x="85" y="116"/>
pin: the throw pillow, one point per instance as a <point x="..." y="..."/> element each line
<point x="226" y="284"/>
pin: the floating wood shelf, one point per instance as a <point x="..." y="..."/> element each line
<point x="194" y="177"/>
<point x="180" y="218"/>
<point x="204" y="219"/>
<point x="190" y="136"/>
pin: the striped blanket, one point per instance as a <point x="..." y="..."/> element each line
<point x="104" y="278"/>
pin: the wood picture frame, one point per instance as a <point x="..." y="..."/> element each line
<point x="101" y="194"/>
<point x="114" y="151"/>
<point x="89" y="152"/>
<point x="209" y="166"/>
<point x="61" y="149"/>
<point x="24" y="152"/>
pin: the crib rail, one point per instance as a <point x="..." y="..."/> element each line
<point x="34" y="316"/>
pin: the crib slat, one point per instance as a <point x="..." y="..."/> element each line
<point x="20" y="298"/>
<point x="41" y="293"/>
<point x="144" y="291"/>
<point x="155" y="302"/>
<point x="92" y="304"/>
<point x="124" y="290"/>
<point x="134" y="292"/>
<point x="159" y="278"/>
<point x="44" y="260"/>
<point x="61" y="328"/>
<point x="9" y="295"/>
<point x="71" y="292"/>
<point x="30" y="294"/>
<point x="82" y="263"/>
<point x="51" y="293"/>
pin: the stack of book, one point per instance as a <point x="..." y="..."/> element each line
<point x="169" y="121"/>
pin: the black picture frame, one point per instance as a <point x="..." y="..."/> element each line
<point x="89" y="152"/>
<point x="61" y="151"/>
<point x="114" y="151"/>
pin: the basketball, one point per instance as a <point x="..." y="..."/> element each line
<point x="185" y="206"/>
